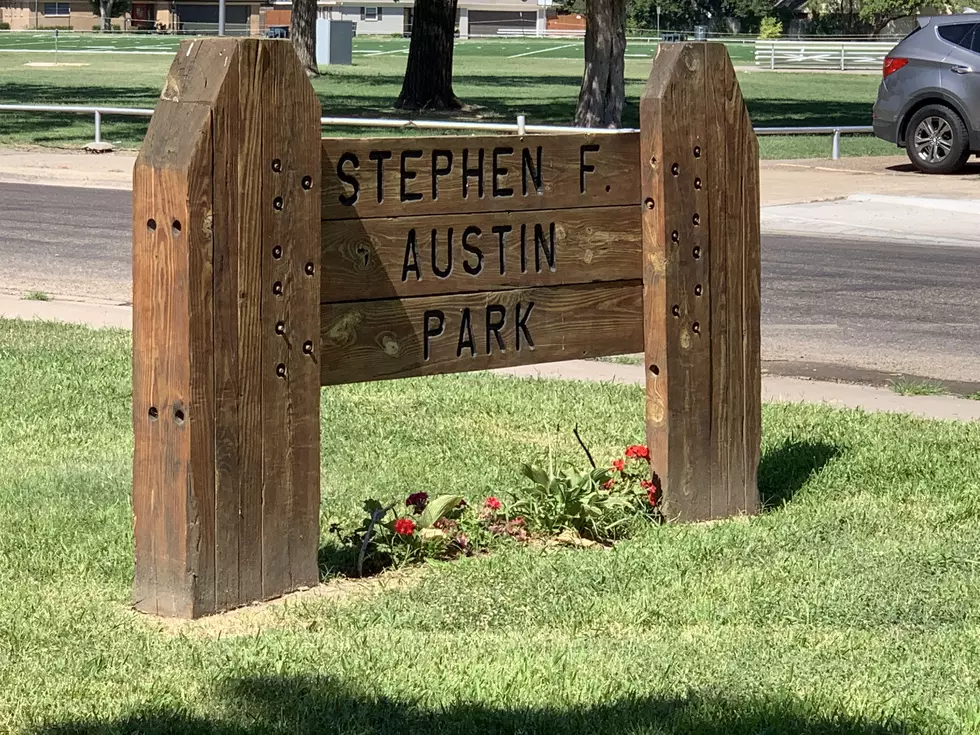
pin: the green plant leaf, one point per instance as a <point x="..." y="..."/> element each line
<point x="438" y="507"/>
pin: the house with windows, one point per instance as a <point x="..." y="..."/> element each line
<point x="252" y="17"/>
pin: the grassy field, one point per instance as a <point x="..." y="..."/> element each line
<point x="849" y="608"/>
<point x="497" y="79"/>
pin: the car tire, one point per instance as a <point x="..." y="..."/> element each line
<point x="937" y="141"/>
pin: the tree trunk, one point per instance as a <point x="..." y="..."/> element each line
<point x="105" y="15"/>
<point x="428" y="83"/>
<point x="603" y="92"/>
<point x="302" y="29"/>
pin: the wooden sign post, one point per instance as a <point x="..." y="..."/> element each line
<point x="438" y="255"/>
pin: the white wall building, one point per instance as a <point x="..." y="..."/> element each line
<point x="474" y="18"/>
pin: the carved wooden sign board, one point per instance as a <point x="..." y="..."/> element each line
<point x="459" y="253"/>
<point x="269" y="261"/>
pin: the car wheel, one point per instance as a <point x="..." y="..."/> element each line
<point x="937" y="140"/>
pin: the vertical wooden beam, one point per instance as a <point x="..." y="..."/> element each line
<point x="226" y="243"/>
<point x="700" y="182"/>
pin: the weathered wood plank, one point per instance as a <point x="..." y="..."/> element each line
<point x="751" y="316"/>
<point x="378" y="340"/>
<point x="699" y="207"/>
<point x="430" y="255"/>
<point x="724" y="145"/>
<point x="213" y="484"/>
<point x="227" y="122"/>
<point x="290" y="296"/>
<point x="387" y="177"/>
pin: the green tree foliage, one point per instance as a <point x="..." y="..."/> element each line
<point x="770" y="28"/>
<point x="685" y="14"/>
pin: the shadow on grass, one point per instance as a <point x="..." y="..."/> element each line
<point x="321" y="705"/>
<point x="786" y="469"/>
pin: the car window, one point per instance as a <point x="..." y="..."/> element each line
<point x="962" y="34"/>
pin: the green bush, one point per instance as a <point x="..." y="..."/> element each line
<point x="4" y="26"/>
<point x="115" y="29"/>
<point x="770" y="28"/>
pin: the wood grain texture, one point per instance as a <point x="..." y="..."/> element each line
<point x="173" y="378"/>
<point x="430" y="255"/>
<point x="428" y="175"/>
<point x="379" y="340"/>
<point x="290" y="378"/>
<point x="229" y="465"/>
<point x="699" y="172"/>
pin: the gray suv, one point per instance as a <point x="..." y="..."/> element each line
<point x="929" y="98"/>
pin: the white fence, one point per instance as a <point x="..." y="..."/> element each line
<point x="821" y="54"/>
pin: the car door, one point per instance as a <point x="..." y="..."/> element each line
<point x="961" y="72"/>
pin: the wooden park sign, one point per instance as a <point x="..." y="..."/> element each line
<point x="269" y="262"/>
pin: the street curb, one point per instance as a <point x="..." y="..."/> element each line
<point x="966" y="206"/>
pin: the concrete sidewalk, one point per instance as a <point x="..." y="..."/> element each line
<point x="783" y="182"/>
<point x="774" y="388"/>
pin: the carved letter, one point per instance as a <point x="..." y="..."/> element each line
<point x="469" y="173"/>
<point x="435" y="331"/>
<point x="583" y="167"/>
<point x="473" y="270"/>
<point x="380" y="157"/>
<point x="437" y="172"/>
<point x="348" y="157"/>
<point x="449" y="248"/>
<point x="465" y="335"/>
<point x="522" y="325"/>
<point x="495" y="325"/>
<point x="501" y="231"/>
<point x="411" y="252"/>
<point x="541" y="246"/>
<point x="528" y="169"/>
<point x="406" y="175"/>
<point x="498" y="171"/>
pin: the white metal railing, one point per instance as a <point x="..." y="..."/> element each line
<point x="821" y="54"/>
<point x="520" y="127"/>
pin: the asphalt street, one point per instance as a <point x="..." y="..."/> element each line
<point x="830" y="305"/>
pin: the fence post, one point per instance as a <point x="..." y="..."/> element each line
<point x="842" y="57"/>
<point x="699" y="163"/>
<point x="226" y="254"/>
<point x="835" y="146"/>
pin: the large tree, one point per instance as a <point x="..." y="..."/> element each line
<point x="302" y="29"/>
<point x="428" y="83"/>
<point x="109" y="9"/>
<point x="603" y="92"/>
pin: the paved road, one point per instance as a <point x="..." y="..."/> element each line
<point x="829" y="305"/>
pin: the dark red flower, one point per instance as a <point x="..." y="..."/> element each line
<point x="618" y="465"/>
<point x="652" y="494"/>
<point x="418" y="501"/>
<point x="404" y="526"/>
<point x="493" y="504"/>
<point x="638" y="451"/>
<point x="646" y="484"/>
<point x="608" y="484"/>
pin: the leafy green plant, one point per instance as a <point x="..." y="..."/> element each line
<point x="36" y="296"/>
<point x="4" y="26"/>
<point x="974" y="396"/>
<point x="444" y="527"/>
<point x="770" y="28"/>
<point x="599" y="504"/>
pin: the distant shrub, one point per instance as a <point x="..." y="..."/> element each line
<point x="770" y="28"/>
<point x="115" y="29"/>
<point x="4" y="26"/>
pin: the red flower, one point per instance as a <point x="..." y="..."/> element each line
<point x="651" y="492"/>
<point x="618" y="465"/>
<point x="493" y="504"/>
<point x="646" y="484"/>
<point x="608" y="484"/>
<point x="404" y="526"/>
<point x="638" y="451"/>
<point x="418" y="501"/>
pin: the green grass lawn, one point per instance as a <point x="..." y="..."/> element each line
<point x="496" y="79"/>
<point x="849" y="608"/>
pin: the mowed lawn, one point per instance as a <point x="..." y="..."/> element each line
<point x="497" y="79"/>
<point x="850" y="607"/>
